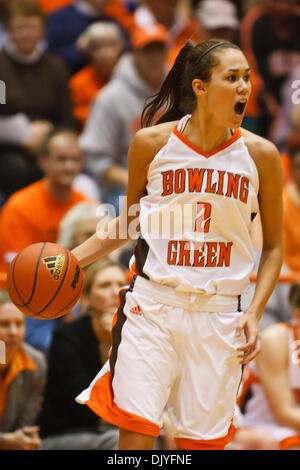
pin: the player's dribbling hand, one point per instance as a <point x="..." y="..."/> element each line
<point x="249" y="325"/>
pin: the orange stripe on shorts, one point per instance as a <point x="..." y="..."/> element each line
<point x="212" y="444"/>
<point x="102" y="403"/>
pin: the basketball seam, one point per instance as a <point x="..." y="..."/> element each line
<point x="66" y="306"/>
<point x="13" y="278"/>
<point x="62" y="281"/>
<point x="35" y="278"/>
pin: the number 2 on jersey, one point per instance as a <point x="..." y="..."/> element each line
<point x="203" y="217"/>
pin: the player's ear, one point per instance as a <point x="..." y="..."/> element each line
<point x="199" y="87"/>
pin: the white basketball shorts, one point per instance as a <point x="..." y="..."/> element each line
<point x="171" y="351"/>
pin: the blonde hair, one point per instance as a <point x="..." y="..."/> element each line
<point x="97" y="32"/>
<point x="79" y="213"/>
<point x="93" y="269"/>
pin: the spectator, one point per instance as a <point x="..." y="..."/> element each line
<point x="291" y="220"/>
<point x="286" y="130"/>
<point x="78" y="351"/>
<point x="122" y="12"/>
<point x="219" y="18"/>
<point x="79" y="224"/>
<point x="33" y="214"/>
<point x="270" y="37"/>
<point x="115" y="115"/>
<point x="102" y="42"/>
<point x="278" y="308"/>
<point x="181" y="28"/>
<point x="65" y="25"/>
<point x="274" y="380"/>
<point x="22" y="379"/>
<point x="37" y="95"/>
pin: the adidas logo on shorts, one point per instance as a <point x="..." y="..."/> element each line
<point x="136" y="310"/>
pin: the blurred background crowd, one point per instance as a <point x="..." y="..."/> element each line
<point x="75" y="76"/>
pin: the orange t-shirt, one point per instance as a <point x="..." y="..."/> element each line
<point x="32" y="215"/>
<point x="21" y="361"/>
<point x="291" y="224"/>
<point x="48" y="6"/>
<point x="84" y="86"/>
<point x="117" y="9"/>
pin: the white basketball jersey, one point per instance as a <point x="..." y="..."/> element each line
<point x="196" y="216"/>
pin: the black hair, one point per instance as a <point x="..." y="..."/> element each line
<point x="176" y="94"/>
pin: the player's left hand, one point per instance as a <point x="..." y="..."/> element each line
<point x="249" y="324"/>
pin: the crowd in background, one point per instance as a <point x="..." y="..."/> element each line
<point x="77" y="75"/>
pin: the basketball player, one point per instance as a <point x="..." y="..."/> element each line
<point x="179" y="337"/>
<point x="274" y="380"/>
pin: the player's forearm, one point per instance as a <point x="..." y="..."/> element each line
<point x="108" y="238"/>
<point x="267" y="277"/>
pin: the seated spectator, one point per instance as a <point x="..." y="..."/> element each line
<point x="65" y="25"/>
<point x="33" y="214"/>
<point x="272" y="383"/>
<point x="80" y="223"/>
<point x="270" y="38"/>
<point x="102" y="42"/>
<point x="180" y="27"/>
<point x="122" y="12"/>
<point x="286" y="130"/>
<point x="37" y="95"/>
<point x="278" y="308"/>
<point x="219" y="18"/>
<point x="77" y="353"/>
<point x="291" y="220"/>
<point x="22" y="379"/>
<point x="116" y="111"/>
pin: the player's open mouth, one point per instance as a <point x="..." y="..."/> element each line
<point x="239" y="108"/>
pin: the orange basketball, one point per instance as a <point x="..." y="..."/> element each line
<point x="44" y="280"/>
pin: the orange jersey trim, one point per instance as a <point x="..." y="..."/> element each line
<point x="289" y="442"/>
<point x="237" y="134"/>
<point x="212" y="444"/>
<point x="102" y="403"/>
<point x="248" y="378"/>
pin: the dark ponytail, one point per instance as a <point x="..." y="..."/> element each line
<point x="176" y="94"/>
<point x="169" y="94"/>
